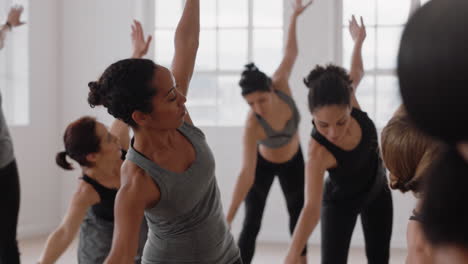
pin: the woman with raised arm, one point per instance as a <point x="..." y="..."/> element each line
<point x="10" y="195"/>
<point x="271" y="145"/>
<point x="344" y="143"/>
<point x="169" y="173"/>
<point x="99" y="152"/>
<point x="407" y="153"/>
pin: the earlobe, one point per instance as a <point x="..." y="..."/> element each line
<point x="91" y="157"/>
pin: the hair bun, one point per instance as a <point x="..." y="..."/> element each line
<point x="314" y="75"/>
<point x="94" y="95"/>
<point x="251" y="67"/>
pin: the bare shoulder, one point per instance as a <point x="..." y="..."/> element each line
<point x="135" y="182"/>
<point x="320" y="155"/>
<point x="252" y="127"/>
<point x="85" y="194"/>
<point x="282" y="85"/>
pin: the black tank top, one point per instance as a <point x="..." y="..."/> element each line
<point x="360" y="170"/>
<point x="105" y="208"/>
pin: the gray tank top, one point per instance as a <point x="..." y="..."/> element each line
<point x="6" y="146"/>
<point x="277" y="139"/>
<point x="187" y="225"/>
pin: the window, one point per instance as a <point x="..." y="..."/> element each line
<point x="378" y="93"/>
<point x="233" y="33"/>
<point x="14" y="69"/>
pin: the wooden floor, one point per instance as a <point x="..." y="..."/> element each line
<point x="266" y="253"/>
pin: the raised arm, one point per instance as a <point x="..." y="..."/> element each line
<point x="122" y="132"/>
<point x="310" y="214"/>
<point x="283" y="72"/>
<point x="246" y="177"/>
<point x="13" y="20"/>
<point x="62" y="237"/>
<point x="358" y="34"/>
<point x="136" y="194"/>
<point x="186" y="45"/>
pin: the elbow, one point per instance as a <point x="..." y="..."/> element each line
<point x="311" y="211"/>
<point x="247" y="177"/>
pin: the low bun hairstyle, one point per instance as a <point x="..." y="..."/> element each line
<point x="80" y="139"/>
<point x="329" y="85"/>
<point x="407" y="152"/>
<point x="254" y="80"/>
<point x="94" y="96"/>
<point x="61" y="160"/>
<point x="125" y="87"/>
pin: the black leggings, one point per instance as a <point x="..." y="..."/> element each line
<point x="338" y="223"/>
<point x="9" y="202"/>
<point x="291" y="179"/>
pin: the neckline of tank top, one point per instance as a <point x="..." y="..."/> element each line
<point x="94" y="181"/>
<point x="293" y="111"/>
<point x="158" y="167"/>
<point x="361" y="141"/>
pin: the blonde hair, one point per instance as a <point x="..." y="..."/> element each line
<point x="407" y="152"/>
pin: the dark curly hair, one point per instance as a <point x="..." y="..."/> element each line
<point x="79" y="139"/>
<point x="253" y="80"/>
<point x="123" y="88"/>
<point x="432" y="69"/>
<point x="329" y="85"/>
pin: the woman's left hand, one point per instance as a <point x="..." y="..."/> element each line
<point x="140" y="46"/>
<point x="358" y="32"/>
<point x="14" y="16"/>
<point x="299" y="7"/>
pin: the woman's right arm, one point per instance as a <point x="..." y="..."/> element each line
<point x="310" y="214"/>
<point x="246" y="178"/>
<point x="61" y="238"/>
<point x="137" y="193"/>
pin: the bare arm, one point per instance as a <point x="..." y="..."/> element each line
<point x="419" y="249"/>
<point x="358" y="34"/>
<point x="186" y="45"/>
<point x="310" y="214"/>
<point x="281" y="75"/>
<point x="122" y="132"/>
<point x="137" y="193"/>
<point x="13" y="20"/>
<point x="61" y="238"/>
<point x="247" y="175"/>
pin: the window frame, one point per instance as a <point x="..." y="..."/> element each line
<point x="375" y="72"/>
<point x="217" y="72"/>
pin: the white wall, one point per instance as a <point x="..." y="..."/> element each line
<point x="36" y="144"/>
<point x="93" y="34"/>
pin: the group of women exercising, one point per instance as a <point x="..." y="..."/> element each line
<point x="154" y="198"/>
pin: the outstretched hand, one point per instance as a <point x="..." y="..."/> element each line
<point x="299" y="7"/>
<point x="358" y="32"/>
<point x="14" y="16"/>
<point x="140" y="46"/>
